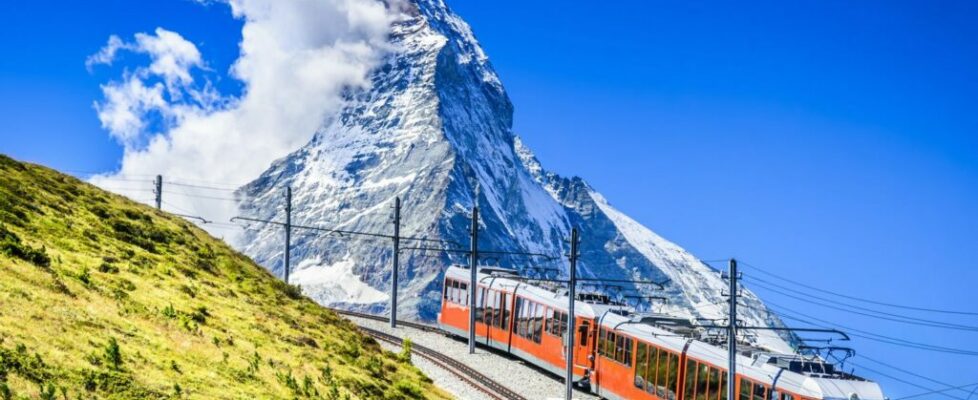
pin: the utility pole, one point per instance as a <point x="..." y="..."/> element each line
<point x="159" y="192"/>
<point x="397" y="249"/>
<point x="288" y="229"/>
<point x="571" y="322"/>
<point x="732" y="334"/>
<point x="473" y="273"/>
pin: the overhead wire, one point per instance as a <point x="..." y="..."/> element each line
<point x="941" y="391"/>
<point x="780" y="312"/>
<point x="904" y="381"/>
<point x="172" y="183"/>
<point x="206" y="197"/>
<point x="911" y="373"/>
<point x="879" y="314"/>
<point x="882" y="303"/>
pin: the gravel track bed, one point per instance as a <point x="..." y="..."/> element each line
<point x="518" y="376"/>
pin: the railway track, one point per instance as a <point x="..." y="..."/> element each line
<point x="464" y="372"/>
<point x="409" y="324"/>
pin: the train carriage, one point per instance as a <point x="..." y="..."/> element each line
<point x="619" y="354"/>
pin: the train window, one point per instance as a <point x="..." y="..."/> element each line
<point x="532" y="318"/>
<point x="497" y="311"/>
<point x="601" y="340"/>
<point x="583" y="334"/>
<point x="666" y="371"/>
<point x="690" y="380"/>
<point x="641" y="355"/>
<point x="722" y="387"/>
<point x="448" y="284"/>
<point x="716" y="384"/>
<point x="650" y="366"/>
<point x="463" y="293"/>
<point x="627" y="358"/>
<point x="480" y="303"/>
<point x="745" y="389"/>
<point x="563" y="324"/>
<point x="518" y="316"/>
<point x="607" y="344"/>
<point x="641" y="365"/>
<point x="493" y="315"/>
<point x="645" y="364"/>
<point x="525" y="318"/>
<point x="666" y="375"/>
<point x="619" y="348"/>
<point x="538" y="323"/>
<point x="507" y="308"/>
<point x="703" y="382"/>
<point x="500" y="302"/>
<point x="760" y="392"/>
<point x="785" y="396"/>
<point x="549" y="320"/>
<point x="455" y="293"/>
<point x="490" y="307"/>
<point x="487" y="318"/>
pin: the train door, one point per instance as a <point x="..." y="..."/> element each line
<point x="583" y="348"/>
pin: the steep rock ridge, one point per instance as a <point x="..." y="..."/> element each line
<point x="435" y="129"/>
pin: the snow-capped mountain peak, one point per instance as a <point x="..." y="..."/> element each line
<point x="436" y="124"/>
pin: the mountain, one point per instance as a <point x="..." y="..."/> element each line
<point x="102" y="297"/>
<point x="435" y="128"/>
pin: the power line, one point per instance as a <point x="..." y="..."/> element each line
<point x="225" y="185"/>
<point x="885" y="315"/>
<point x="950" y="387"/>
<point x="94" y="173"/>
<point x="127" y="189"/>
<point x="339" y="231"/>
<point x="172" y="183"/>
<point x="903" y="381"/>
<point x="197" y="196"/>
<point x="866" y="334"/>
<point x="125" y="180"/>
<point x="175" y="207"/>
<point x="938" y="391"/>
<point x="761" y="270"/>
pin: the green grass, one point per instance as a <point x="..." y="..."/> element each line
<point x="102" y="297"/>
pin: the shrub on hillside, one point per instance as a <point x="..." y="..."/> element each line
<point x="11" y="245"/>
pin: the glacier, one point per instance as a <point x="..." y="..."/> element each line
<point x="435" y="128"/>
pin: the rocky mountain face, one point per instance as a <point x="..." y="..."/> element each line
<point x="435" y="129"/>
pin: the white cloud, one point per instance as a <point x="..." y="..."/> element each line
<point x="296" y="58"/>
<point x="107" y="54"/>
<point x="173" y="56"/>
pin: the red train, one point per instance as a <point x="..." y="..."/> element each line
<point x="621" y="355"/>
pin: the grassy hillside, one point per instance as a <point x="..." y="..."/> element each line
<point x="102" y="297"/>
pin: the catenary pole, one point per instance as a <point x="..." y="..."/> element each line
<point x="732" y="334"/>
<point x="572" y="295"/>
<point x="397" y="249"/>
<point x="288" y="230"/>
<point x="159" y="192"/>
<point x="474" y="276"/>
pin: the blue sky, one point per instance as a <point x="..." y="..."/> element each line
<point x="833" y="142"/>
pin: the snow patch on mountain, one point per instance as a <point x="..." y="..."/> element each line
<point x="335" y="283"/>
